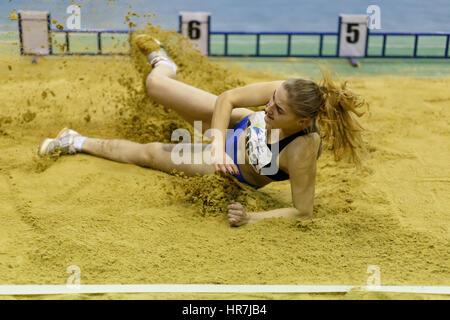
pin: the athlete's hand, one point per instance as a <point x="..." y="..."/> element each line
<point x="222" y="161"/>
<point x="237" y="216"/>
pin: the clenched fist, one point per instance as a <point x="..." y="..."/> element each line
<point x="237" y="216"/>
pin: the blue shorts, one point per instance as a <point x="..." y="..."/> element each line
<point x="231" y="145"/>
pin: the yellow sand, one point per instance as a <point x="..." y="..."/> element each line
<point x="126" y="224"/>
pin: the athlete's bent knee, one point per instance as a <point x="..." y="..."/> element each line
<point x="152" y="84"/>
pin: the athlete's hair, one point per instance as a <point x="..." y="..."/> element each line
<point x="335" y="107"/>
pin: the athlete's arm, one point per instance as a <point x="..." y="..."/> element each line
<point x="301" y="155"/>
<point x="252" y="95"/>
<point x="302" y="172"/>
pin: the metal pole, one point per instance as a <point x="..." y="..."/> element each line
<point x="67" y="43"/>
<point x="416" y="38"/>
<point x="99" y="42"/>
<point x="289" y="45"/>
<point x="49" y="31"/>
<point x="446" y="46"/>
<point x="226" y="45"/>
<point x="321" y="45"/>
<point x="367" y="42"/>
<point x="20" y="34"/>
<point x="209" y="35"/>
<point x="339" y="36"/>
<point x="257" y="44"/>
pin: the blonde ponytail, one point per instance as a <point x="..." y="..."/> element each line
<point x="337" y="118"/>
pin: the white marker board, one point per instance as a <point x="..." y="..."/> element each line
<point x="196" y="26"/>
<point x="353" y="34"/>
<point x="34" y="29"/>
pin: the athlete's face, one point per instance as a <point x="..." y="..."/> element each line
<point x="278" y="113"/>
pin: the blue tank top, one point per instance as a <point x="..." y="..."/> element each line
<point x="263" y="156"/>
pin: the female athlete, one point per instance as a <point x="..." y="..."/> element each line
<point x="280" y="143"/>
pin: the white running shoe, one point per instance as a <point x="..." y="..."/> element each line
<point x="63" y="142"/>
<point x="161" y="57"/>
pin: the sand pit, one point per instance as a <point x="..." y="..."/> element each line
<point x="126" y="224"/>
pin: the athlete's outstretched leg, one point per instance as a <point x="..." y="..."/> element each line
<point x="116" y="150"/>
<point x="154" y="155"/>
<point x="188" y="158"/>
